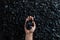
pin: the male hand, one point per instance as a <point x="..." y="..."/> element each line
<point x="33" y="27"/>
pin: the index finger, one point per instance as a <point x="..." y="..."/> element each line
<point x="31" y="18"/>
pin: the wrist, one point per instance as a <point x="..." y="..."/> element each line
<point x="29" y="34"/>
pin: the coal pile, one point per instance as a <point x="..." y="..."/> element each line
<point x="14" y="12"/>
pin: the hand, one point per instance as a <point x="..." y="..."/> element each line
<point x="33" y="27"/>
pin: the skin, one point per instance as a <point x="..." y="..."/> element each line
<point x="29" y="33"/>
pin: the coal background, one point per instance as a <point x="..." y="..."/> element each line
<point x="45" y="12"/>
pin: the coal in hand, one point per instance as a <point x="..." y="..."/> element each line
<point x="29" y="25"/>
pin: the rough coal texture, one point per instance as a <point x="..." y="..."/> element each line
<point x="45" y="12"/>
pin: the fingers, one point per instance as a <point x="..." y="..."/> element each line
<point x="34" y="27"/>
<point x="29" y="18"/>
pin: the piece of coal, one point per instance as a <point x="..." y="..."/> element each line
<point x="29" y="25"/>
